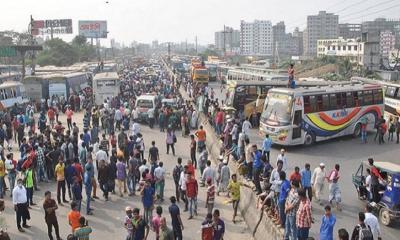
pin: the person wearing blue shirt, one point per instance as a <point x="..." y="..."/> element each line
<point x="327" y="225"/>
<point x="258" y="166"/>
<point x="306" y="180"/>
<point x="89" y="172"/>
<point x="266" y="147"/>
<point x="285" y="188"/>
<point x="86" y="137"/>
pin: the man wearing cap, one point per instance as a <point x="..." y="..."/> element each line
<point x="224" y="178"/>
<point x="283" y="158"/>
<point x="318" y="181"/>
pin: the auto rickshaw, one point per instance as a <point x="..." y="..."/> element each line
<point x="230" y="112"/>
<point x="388" y="208"/>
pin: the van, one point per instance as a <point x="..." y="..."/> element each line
<point x="143" y="104"/>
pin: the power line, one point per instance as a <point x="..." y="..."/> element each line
<point x="351" y="5"/>
<point x="379" y="11"/>
<point x="334" y="5"/>
<point x="368" y="8"/>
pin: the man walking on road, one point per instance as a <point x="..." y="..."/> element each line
<point x="192" y="189"/>
<point x="50" y="207"/>
<point x="20" y="202"/>
<point x="177" y="225"/>
<point x="303" y="216"/>
<point x="327" y="225"/>
<point x="318" y="181"/>
<point x="334" y="190"/>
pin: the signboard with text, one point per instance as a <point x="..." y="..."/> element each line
<point x="7" y="52"/>
<point x="56" y="26"/>
<point x="93" y="29"/>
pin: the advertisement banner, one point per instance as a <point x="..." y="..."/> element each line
<point x="55" y="26"/>
<point x="93" y="29"/>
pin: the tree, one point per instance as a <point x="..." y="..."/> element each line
<point x="57" y="52"/>
<point x="86" y="51"/>
<point x="345" y="68"/>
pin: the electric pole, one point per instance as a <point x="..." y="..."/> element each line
<point x="196" y="43"/>
<point x="224" y="33"/>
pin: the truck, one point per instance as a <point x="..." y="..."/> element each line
<point x="199" y="73"/>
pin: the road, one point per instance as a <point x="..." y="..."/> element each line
<point x="107" y="221"/>
<point x="347" y="152"/>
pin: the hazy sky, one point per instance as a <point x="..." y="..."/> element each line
<point x="177" y="20"/>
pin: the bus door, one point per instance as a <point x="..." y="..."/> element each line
<point x="297" y="118"/>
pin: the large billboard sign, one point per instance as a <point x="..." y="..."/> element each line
<point x="93" y="29"/>
<point x="56" y="26"/>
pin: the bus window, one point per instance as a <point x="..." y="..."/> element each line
<point x="319" y="103"/>
<point x="332" y="101"/>
<point x="398" y="95"/>
<point x="349" y="100"/>
<point x="307" y="105"/>
<point x="368" y="97"/>
<point x="325" y="102"/>
<point x="313" y="104"/>
<point x="360" y="98"/>
<point x="390" y="91"/>
<point x="378" y="98"/>
<point x="356" y="100"/>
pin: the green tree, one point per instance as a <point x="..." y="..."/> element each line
<point x="57" y="52"/>
<point x="86" y="52"/>
<point x="346" y="68"/>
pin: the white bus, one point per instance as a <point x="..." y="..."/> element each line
<point x="308" y="115"/>
<point x="105" y="85"/>
<point x="11" y="93"/>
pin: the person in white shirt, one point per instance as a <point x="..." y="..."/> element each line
<point x="20" y="201"/>
<point x="135" y="128"/>
<point x="283" y="158"/>
<point x="143" y="168"/>
<point x="246" y="126"/>
<point x="159" y="174"/>
<point x="102" y="155"/>
<point x="318" y="181"/>
<point x="134" y="114"/>
<point x="372" y="222"/>
<point x="208" y="172"/>
<point x="182" y="186"/>
<point x="234" y="134"/>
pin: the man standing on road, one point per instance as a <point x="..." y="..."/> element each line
<point x="83" y="231"/>
<point x="283" y="158"/>
<point x="154" y="155"/>
<point x="60" y="176"/>
<point x="318" y="181"/>
<point x="327" y="224"/>
<point x="246" y="126"/>
<point x="159" y="175"/>
<point x="306" y="180"/>
<point x="147" y="194"/>
<point x="291" y="205"/>
<point x="303" y="216"/>
<point x="372" y="222"/>
<point x="191" y="192"/>
<point x="177" y="225"/>
<point x="176" y="174"/>
<point x="165" y="232"/>
<point x="258" y="166"/>
<point x="219" y="226"/>
<point x="266" y="147"/>
<point x="283" y="194"/>
<point x="193" y="145"/>
<point x="361" y="230"/>
<point x="50" y="207"/>
<point x="20" y="202"/>
<point x="201" y="138"/>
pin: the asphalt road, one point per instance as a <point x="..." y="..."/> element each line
<point x="349" y="153"/>
<point x="107" y="221"/>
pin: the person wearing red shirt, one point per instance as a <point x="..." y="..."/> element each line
<point x="51" y="115"/>
<point x="78" y="171"/>
<point x="191" y="168"/>
<point x="191" y="193"/>
<point x="69" y="114"/>
<point x="207" y="230"/>
<point x="295" y="176"/>
<point x="219" y="121"/>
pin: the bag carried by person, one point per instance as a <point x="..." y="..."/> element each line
<point x="364" y="233"/>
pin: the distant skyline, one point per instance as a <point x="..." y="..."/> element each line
<point x="178" y="20"/>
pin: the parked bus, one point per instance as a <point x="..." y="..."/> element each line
<point x="392" y="95"/>
<point x="222" y="72"/>
<point x="44" y="85"/>
<point x="249" y="95"/>
<point x="308" y="115"/>
<point x="212" y="71"/>
<point x="105" y="85"/>
<point x="246" y="75"/>
<point x="11" y="93"/>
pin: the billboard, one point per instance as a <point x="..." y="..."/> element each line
<point x="93" y="29"/>
<point x="55" y="26"/>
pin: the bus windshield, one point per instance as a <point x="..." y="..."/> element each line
<point x="143" y="103"/>
<point x="201" y="72"/>
<point x="277" y="110"/>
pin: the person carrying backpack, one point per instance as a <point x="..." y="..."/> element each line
<point x="361" y="230"/>
<point x="176" y="174"/>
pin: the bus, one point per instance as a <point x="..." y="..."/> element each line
<point x="212" y="71"/>
<point x="11" y="93"/>
<point x="44" y="85"/>
<point x="105" y="85"/>
<point x="222" y="72"/>
<point x="249" y="95"/>
<point x="392" y="96"/>
<point x="308" y="115"/>
<point x="246" y="75"/>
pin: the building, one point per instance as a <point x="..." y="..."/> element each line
<point x="350" y="30"/>
<point x="322" y="26"/>
<point x="298" y="35"/>
<point x="381" y="24"/>
<point x="346" y="48"/>
<point x="228" y="39"/>
<point x="256" y="38"/>
<point x="371" y="58"/>
<point x="284" y="44"/>
<point x="386" y="43"/>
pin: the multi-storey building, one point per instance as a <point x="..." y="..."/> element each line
<point x="349" y="30"/>
<point x="256" y="38"/>
<point x="322" y="26"/>
<point x="227" y="39"/>
<point x="386" y="43"/>
<point x="352" y="49"/>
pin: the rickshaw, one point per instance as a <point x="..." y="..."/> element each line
<point x="388" y="208"/>
<point x="230" y="112"/>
